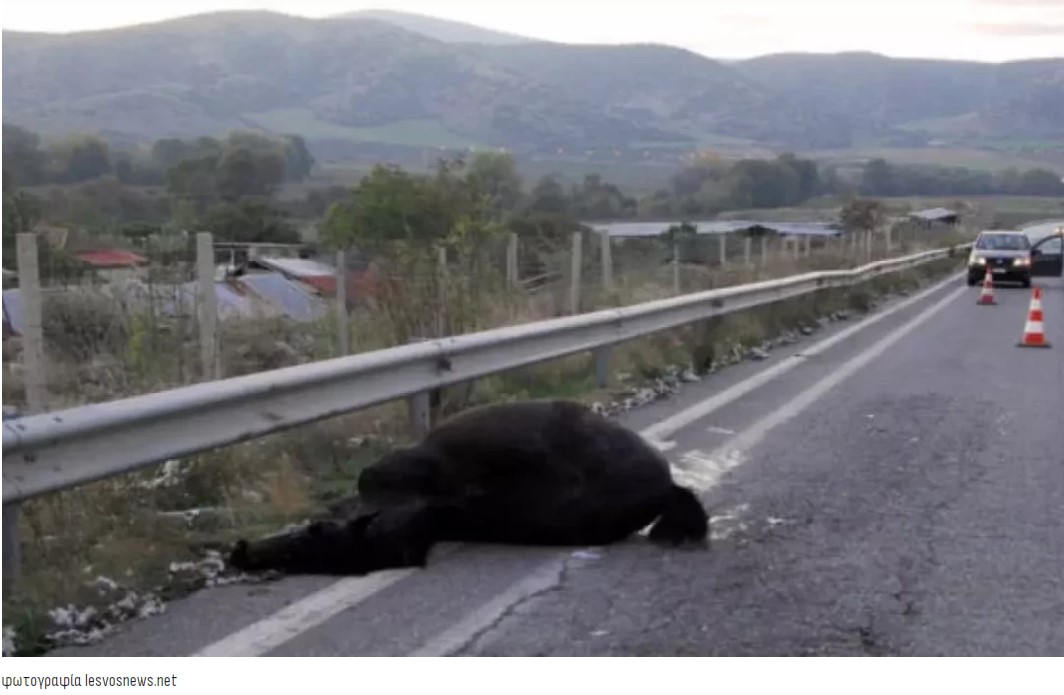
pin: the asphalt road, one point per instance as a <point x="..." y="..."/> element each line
<point x="897" y="492"/>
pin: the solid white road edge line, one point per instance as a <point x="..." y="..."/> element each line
<point x="269" y="633"/>
<point x="312" y="610"/>
<point x="662" y="430"/>
<point x="719" y="462"/>
<point x="709" y="469"/>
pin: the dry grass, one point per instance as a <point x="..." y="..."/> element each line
<point x="119" y="529"/>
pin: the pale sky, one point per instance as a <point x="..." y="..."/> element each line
<point x="988" y="30"/>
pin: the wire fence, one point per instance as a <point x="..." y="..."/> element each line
<point x="126" y="328"/>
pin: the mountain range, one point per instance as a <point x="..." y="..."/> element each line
<point x="385" y="78"/>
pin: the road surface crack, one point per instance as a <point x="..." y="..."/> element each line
<point x="513" y="608"/>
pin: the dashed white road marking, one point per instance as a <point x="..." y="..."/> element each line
<point x="720" y="430"/>
<point x="753" y="434"/>
<point x="660" y="445"/>
<point x="312" y="610"/>
<point x="706" y="470"/>
<point x="670" y="425"/>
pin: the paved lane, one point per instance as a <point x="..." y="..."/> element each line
<point x="910" y="508"/>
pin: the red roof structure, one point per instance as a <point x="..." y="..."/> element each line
<point x="360" y="285"/>
<point x="111" y="258"/>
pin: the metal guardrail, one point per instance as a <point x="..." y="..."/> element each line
<point x="54" y="451"/>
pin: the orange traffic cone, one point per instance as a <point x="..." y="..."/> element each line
<point x="987" y="295"/>
<point x="1034" y="334"/>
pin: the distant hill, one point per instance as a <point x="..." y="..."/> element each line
<point x="1023" y="99"/>
<point x="679" y="89"/>
<point x="380" y="78"/>
<point x="446" y="30"/>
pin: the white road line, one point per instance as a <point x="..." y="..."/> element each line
<point x="313" y="610"/>
<point x="720" y="430"/>
<point x="697" y="469"/>
<point x="660" y="445"/>
<point x="664" y="429"/>
<point x="734" y="451"/>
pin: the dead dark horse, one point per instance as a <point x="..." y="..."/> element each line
<point x="527" y="473"/>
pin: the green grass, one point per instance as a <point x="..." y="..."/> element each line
<point x="949" y="126"/>
<point x="412" y="133"/>
<point x="112" y="528"/>
<point x="968" y="157"/>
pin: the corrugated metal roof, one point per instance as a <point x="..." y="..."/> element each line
<point x="231" y="304"/>
<point x="652" y="229"/>
<point x="639" y="229"/>
<point x="110" y="258"/>
<point x="360" y="285"/>
<point x="933" y="214"/>
<point x="296" y="267"/>
<point x="13" y="310"/>
<point x="294" y="301"/>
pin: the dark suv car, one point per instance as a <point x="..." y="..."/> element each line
<point x="1007" y="254"/>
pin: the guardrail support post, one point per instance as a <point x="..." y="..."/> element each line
<point x="764" y="251"/>
<point x="602" y="365"/>
<point x="748" y="244"/>
<point x="722" y="246"/>
<point x="418" y="407"/>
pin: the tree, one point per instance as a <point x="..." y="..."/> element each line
<point x="249" y="221"/>
<point x="194" y="181"/>
<point x="493" y="175"/>
<point x="21" y="212"/>
<point x="1041" y="182"/>
<point x="80" y="158"/>
<point x="548" y="196"/>
<point x="809" y="182"/>
<point x="389" y="204"/>
<point x="878" y="178"/>
<point x="599" y="200"/>
<point x="244" y="172"/>
<point x="862" y="215"/>
<point x="298" y="159"/>
<point x="24" y="161"/>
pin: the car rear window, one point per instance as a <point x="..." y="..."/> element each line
<point x="1003" y="242"/>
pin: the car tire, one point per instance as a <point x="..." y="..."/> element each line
<point x="1027" y="284"/>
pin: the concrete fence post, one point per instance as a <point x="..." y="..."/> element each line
<point x="33" y="362"/>
<point x="607" y="261"/>
<point x="343" y="329"/>
<point x="675" y="267"/>
<point x="511" y="261"/>
<point x="206" y="305"/>
<point x="575" y="264"/>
